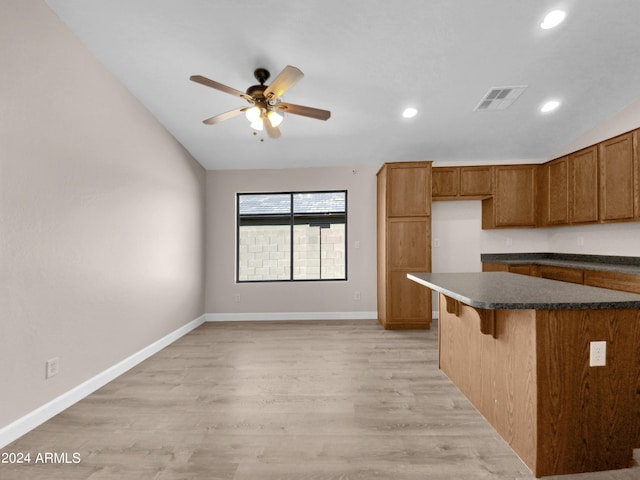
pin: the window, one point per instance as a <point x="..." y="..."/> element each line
<point x="292" y="236"/>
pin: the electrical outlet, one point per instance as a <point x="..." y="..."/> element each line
<point x="236" y="298"/>
<point x="356" y="296"/>
<point x="53" y="367"/>
<point x="598" y="354"/>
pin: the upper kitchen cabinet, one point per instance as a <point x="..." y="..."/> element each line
<point x="445" y="183"/>
<point x="554" y="192"/>
<point x="514" y="198"/>
<point x="408" y="189"/>
<point x="618" y="178"/>
<point x="598" y="184"/>
<point x="476" y="182"/>
<point x="583" y="186"/>
<point x="461" y="183"/>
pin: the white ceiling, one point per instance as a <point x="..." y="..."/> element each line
<point x="365" y="60"/>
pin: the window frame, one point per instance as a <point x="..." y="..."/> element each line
<point x="292" y="216"/>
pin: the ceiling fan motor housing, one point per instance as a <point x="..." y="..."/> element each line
<point x="257" y="91"/>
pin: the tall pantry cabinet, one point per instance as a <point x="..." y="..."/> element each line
<point x="404" y="244"/>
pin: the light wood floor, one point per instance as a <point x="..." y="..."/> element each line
<point x="280" y="400"/>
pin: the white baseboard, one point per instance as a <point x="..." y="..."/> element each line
<point x="257" y="317"/>
<point x="47" y="411"/>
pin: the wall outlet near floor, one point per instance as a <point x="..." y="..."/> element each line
<point x="598" y="354"/>
<point x="236" y="298"/>
<point x="356" y="296"/>
<point x="52" y="367"/>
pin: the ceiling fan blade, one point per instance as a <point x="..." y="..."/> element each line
<point x="218" y="86"/>
<point x="224" y="116"/>
<point x="273" y="132"/>
<point x="304" y="111"/>
<point x="286" y="79"/>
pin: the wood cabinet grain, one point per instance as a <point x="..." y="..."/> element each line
<point x="563" y="274"/>
<point x="514" y="199"/>
<point x="597" y="184"/>
<point x="532" y="382"/>
<point x="409" y="190"/>
<point x="583" y="186"/>
<point x="614" y="280"/>
<point x="617" y="178"/>
<point x="462" y="183"/>
<point x="476" y="182"/>
<point x="404" y="243"/>
<point x="503" y="267"/>
<point x="557" y="192"/>
<point x="445" y="182"/>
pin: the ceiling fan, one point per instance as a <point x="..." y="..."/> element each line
<point x="266" y="106"/>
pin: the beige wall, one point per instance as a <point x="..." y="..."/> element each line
<point x="101" y="216"/>
<point x="294" y="297"/>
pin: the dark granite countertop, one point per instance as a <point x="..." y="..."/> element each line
<point x="510" y="291"/>
<point x="602" y="263"/>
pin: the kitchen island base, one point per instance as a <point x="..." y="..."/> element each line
<point x="528" y="374"/>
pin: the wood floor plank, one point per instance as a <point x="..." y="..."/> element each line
<point x="280" y="400"/>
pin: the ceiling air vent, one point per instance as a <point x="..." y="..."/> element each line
<point x="499" y="98"/>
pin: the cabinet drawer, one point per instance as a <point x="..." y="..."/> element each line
<point x="494" y="267"/>
<point x="562" y="274"/>
<point x="615" y="281"/>
<point x="520" y="269"/>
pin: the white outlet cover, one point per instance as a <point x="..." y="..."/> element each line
<point x="598" y="354"/>
<point x="53" y="366"/>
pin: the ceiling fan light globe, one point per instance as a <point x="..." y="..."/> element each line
<point x="253" y="114"/>
<point x="257" y="124"/>
<point x="275" y="118"/>
<point x="409" y="112"/>
<point x="553" y="19"/>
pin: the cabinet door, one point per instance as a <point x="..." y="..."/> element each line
<point x="617" y="178"/>
<point x="409" y="190"/>
<point x="475" y="181"/>
<point x="409" y="243"/>
<point x="583" y="186"/>
<point x="558" y="192"/>
<point x="445" y="181"/>
<point x="409" y="302"/>
<point x="408" y="250"/>
<point x="515" y="196"/>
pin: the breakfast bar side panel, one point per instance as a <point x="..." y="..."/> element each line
<point x="588" y="416"/>
<point x="497" y="375"/>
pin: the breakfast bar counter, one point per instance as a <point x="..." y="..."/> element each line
<point x="520" y="348"/>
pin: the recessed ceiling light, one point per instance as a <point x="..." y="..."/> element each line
<point x="553" y="19"/>
<point x="409" y="112"/>
<point x="550" y="106"/>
